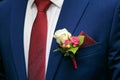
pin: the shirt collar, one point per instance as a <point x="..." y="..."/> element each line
<point x="55" y="2"/>
<point x="31" y="2"/>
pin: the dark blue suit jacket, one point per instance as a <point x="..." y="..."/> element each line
<point x="100" y="19"/>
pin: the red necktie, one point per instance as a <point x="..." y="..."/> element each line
<point x="36" y="63"/>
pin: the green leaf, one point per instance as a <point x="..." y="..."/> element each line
<point x="73" y="50"/>
<point x="56" y="50"/>
<point x="81" y="39"/>
<point x="66" y="54"/>
<point x="59" y="49"/>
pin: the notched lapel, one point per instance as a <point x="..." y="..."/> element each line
<point x="16" y="29"/>
<point x="71" y="14"/>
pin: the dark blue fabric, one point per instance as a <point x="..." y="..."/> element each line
<point x="100" y="19"/>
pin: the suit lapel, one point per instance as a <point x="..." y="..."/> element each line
<point x="70" y="16"/>
<point x="16" y="29"/>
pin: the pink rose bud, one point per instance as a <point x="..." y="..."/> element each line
<point x="74" y="45"/>
<point x="74" y="40"/>
<point x="63" y="46"/>
<point x="66" y="42"/>
<point x="68" y="46"/>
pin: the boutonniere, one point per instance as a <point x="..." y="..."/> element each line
<point x="68" y="45"/>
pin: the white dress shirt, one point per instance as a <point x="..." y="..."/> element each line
<point x="52" y="16"/>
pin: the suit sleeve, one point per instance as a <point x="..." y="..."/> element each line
<point x="114" y="47"/>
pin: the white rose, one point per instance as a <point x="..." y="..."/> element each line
<point x="61" y="35"/>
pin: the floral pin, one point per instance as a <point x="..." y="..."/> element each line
<point x="68" y="44"/>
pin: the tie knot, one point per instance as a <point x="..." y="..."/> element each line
<point x="42" y="5"/>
